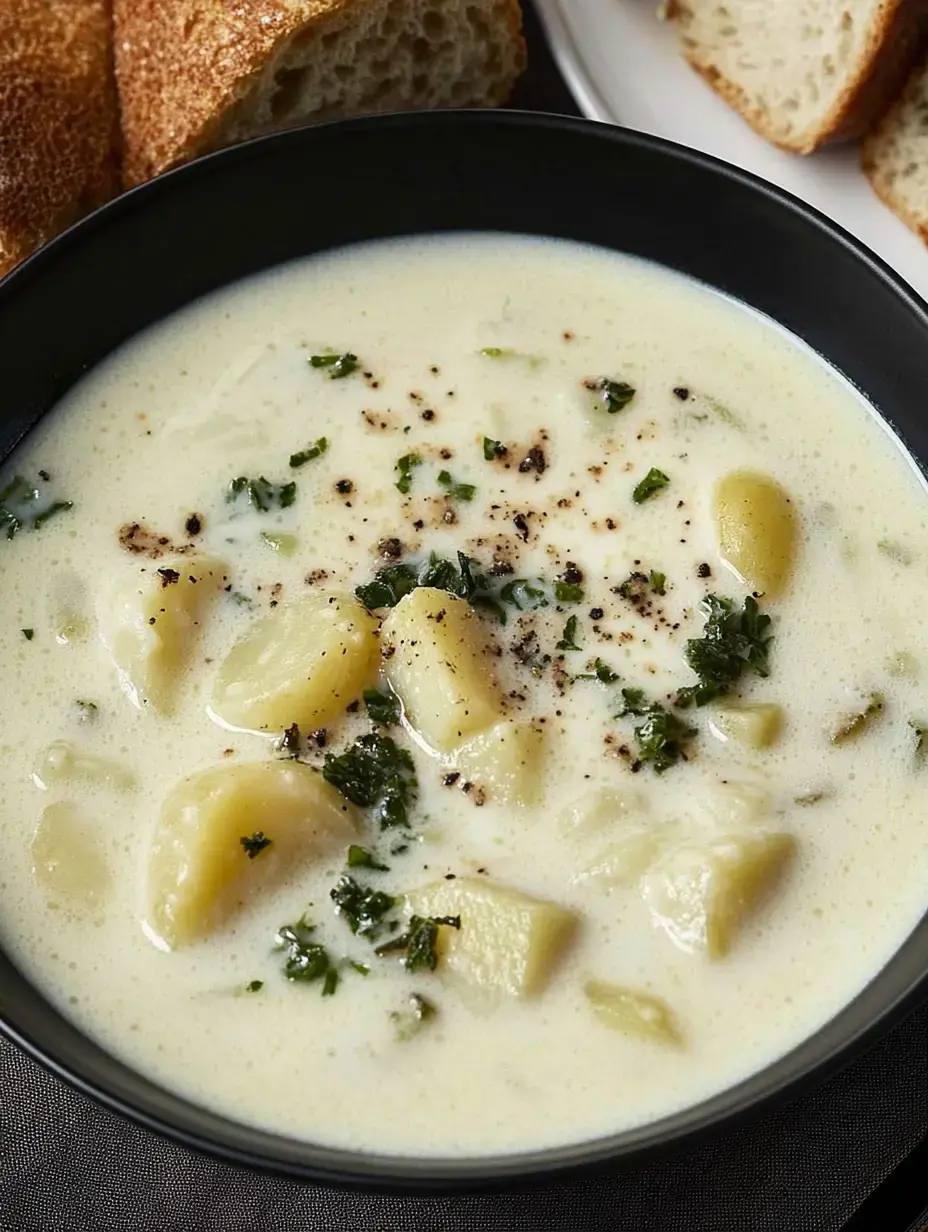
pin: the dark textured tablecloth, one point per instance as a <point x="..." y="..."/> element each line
<point x="67" y="1165"/>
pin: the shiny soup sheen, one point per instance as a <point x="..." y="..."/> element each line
<point x="460" y="696"/>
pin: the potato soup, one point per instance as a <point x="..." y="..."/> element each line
<point x="460" y="695"/>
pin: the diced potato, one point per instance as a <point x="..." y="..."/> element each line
<point x="507" y="758"/>
<point x="63" y="762"/>
<point x="67" y="864"/>
<point x="440" y="664"/>
<point x="603" y="809"/>
<point x="199" y="870"/>
<point x="702" y="895"/>
<point x="508" y="941"/>
<point x="754" y="724"/>
<point x="732" y="804"/>
<point x="623" y="862"/>
<point x="303" y="663"/>
<point x="148" y="621"/>
<point x="633" y="1012"/>
<point x="757" y="530"/>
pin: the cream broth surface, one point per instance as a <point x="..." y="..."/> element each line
<point x="458" y="340"/>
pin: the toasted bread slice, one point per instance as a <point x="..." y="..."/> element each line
<point x="802" y="72"/>
<point x="58" y="119"/>
<point x="195" y="75"/>
<point x="895" y="155"/>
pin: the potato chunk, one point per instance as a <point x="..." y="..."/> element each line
<point x="632" y="1012"/>
<point x="507" y="758"/>
<point x="67" y="864"/>
<point x="757" y="530"/>
<point x="439" y="663"/>
<point x="508" y="941"/>
<point x="148" y="621"/>
<point x="702" y="895"/>
<point x="756" y="725"/>
<point x="302" y="663"/>
<point x="623" y="862"/>
<point x="199" y="870"/>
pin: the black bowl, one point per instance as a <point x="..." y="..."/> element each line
<point x="240" y="211"/>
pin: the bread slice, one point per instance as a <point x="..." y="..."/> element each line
<point x="802" y="72"/>
<point x="58" y="119"/>
<point x="895" y="155"/>
<point x="195" y="75"/>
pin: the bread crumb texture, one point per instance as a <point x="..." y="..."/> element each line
<point x="802" y="72"/>
<point x="195" y="75"/>
<point x="58" y="119"/>
<point x="895" y="155"/>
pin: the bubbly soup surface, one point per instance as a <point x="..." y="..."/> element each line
<point x="658" y="892"/>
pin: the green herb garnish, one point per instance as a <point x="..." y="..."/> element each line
<point x="404" y="468"/>
<point x="662" y="739"/>
<point x="409" y="1022"/>
<point x="568" y="592"/>
<point x="634" y="702"/>
<point x="396" y="581"/>
<point x="306" y="960"/>
<point x="600" y="671"/>
<point x="254" y="986"/>
<point x="383" y="708"/>
<point x="419" y="943"/>
<point x="614" y="395"/>
<point x="375" y="773"/>
<point x="456" y="491"/>
<point x="18" y="507"/>
<point x="521" y="594"/>
<point x="389" y="586"/>
<point x="338" y="366"/>
<point x="732" y="642"/>
<point x="314" y="451"/>
<point x="261" y="494"/>
<point x="364" y="910"/>
<point x="853" y="726"/>
<point x="283" y="545"/>
<point x="360" y="857"/>
<point x="255" y="844"/>
<point x="493" y="449"/>
<point x="653" y="482"/>
<point x="658" y="581"/>
<point x="497" y="352"/>
<point x="569" y="637"/>
<point x="28" y="634"/>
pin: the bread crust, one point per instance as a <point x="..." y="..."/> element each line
<point x="58" y="119"/>
<point x="872" y="161"/>
<point x="181" y="65"/>
<point x="893" y="43"/>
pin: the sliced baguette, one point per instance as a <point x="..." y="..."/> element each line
<point x="58" y="119"/>
<point x="195" y="75"/>
<point x="895" y="155"/>
<point x="802" y="72"/>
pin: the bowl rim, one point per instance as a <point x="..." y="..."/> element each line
<point x="418" y="1175"/>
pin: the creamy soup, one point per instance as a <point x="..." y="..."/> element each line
<point x="460" y="695"/>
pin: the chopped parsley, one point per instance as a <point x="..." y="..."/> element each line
<point x="569" y="636"/>
<point x="254" y="845"/>
<point x="338" y="366"/>
<point x="21" y="507"/>
<point x="364" y="910"/>
<point x="375" y="773"/>
<point x="658" y="581"/>
<point x="396" y="581"/>
<point x="493" y="449"/>
<point x="732" y="642"/>
<point x="857" y="723"/>
<point x="497" y="352"/>
<point x="600" y="671"/>
<point x="568" y="592"/>
<point x="654" y="481"/>
<point x="409" y="1022"/>
<point x="634" y="702"/>
<point x="28" y="634"/>
<point x="383" y="708"/>
<point x="283" y="545"/>
<point x="261" y="494"/>
<point x="390" y="584"/>
<point x="614" y="395"/>
<point x="662" y="739"/>
<point x="456" y="491"/>
<point x="419" y="944"/>
<point x="254" y="986"/>
<point x="521" y="594"/>
<point x="637" y="584"/>
<point x="306" y="960"/>
<point x="360" y="857"/>
<point x="316" y="450"/>
<point x="404" y="469"/>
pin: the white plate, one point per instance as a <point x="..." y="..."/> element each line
<point x="623" y="67"/>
